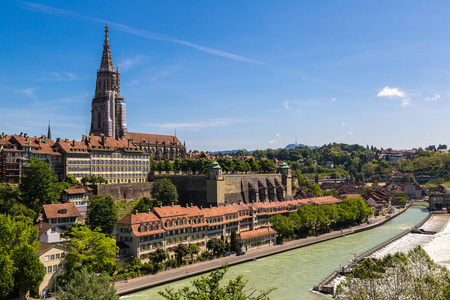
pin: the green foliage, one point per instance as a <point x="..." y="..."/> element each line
<point x="209" y="288"/>
<point x="88" y="287"/>
<point x="399" y="276"/>
<point x="145" y="204"/>
<point x="217" y="246"/>
<point x="91" y="249"/>
<point x="102" y="213"/>
<point x="312" y="219"/>
<point x="164" y="191"/>
<point x="19" y="263"/>
<point x="401" y="200"/>
<point x="71" y="180"/>
<point x="158" y="256"/>
<point x="11" y="202"/>
<point x="181" y="251"/>
<point x="283" y="226"/>
<point x="39" y="185"/>
<point x="233" y="241"/>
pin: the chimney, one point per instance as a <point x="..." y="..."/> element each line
<point x="25" y="135"/>
<point x="58" y="139"/>
<point x="83" y="137"/>
<point x="149" y="210"/>
<point x="103" y="139"/>
<point x="172" y="204"/>
<point x="160" y="205"/>
<point x="21" y="134"/>
<point x="66" y="140"/>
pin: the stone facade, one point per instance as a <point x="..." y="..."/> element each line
<point x="108" y="114"/>
<point x="124" y="192"/>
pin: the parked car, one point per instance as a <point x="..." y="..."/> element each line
<point x="227" y="254"/>
<point x="240" y="253"/>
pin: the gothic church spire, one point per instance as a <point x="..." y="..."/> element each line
<point x="106" y="64"/>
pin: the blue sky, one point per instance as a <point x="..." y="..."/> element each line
<point x="234" y="74"/>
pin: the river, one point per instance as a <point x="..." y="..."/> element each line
<point x="295" y="272"/>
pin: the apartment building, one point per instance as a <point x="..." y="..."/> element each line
<point x="166" y="227"/>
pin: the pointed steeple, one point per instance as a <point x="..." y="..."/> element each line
<point x="106" y="64"/>
<point x="49" y="134"/>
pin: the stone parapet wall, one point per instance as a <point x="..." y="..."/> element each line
<point x="124" y="191"/>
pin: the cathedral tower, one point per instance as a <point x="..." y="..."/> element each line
<point x="108" y="113"/>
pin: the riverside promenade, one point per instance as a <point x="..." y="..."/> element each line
<point x="148" y="281"/>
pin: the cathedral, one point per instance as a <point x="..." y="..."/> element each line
<point x="108" y="114"/>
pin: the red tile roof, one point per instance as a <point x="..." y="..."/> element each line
<point x="62" y="210"/>
<point x="138" y="218"/>
<point x="152" y="139"/>
<point x="255" y="233"/>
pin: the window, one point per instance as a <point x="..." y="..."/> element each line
<point x="49" y="269"/>
<point x="60" y="266"/>
<point x="52" y="257"/>
<point x="57" y="256"/>
<point x="46" y="258"/>
<point x="63" y="255"/>
<point x="55" y="268"/>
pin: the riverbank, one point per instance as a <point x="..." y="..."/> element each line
<point x="436" y="245"/>
<point x="144" y="282"/>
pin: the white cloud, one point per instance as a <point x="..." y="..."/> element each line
<point x="200" y="124"/>
<point x="395" y="93"/>
<point x="286" y="104"/>
<point x="406" y="101"/>
<point x="28" y="92"/>
<point x="273" y="141"/>
<point x="434" y="98"/>
<point x="277" y="134"/>
<point x="129" y="62"/>
<point x="391" y="93"/>
<point x="134" y="31"/>
<point x="333" y="99"/>
<point x="343" y="123"/>
<point x="350" y="132"/>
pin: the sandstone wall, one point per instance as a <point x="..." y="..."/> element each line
<point x="125" y="191"/>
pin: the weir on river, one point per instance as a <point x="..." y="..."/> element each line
<point x="295" y="272"/>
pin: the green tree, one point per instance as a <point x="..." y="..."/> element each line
<point x="164" y="191"/>
<point x="209" y="288"/>
<point x="193" y="250"/>
<point x="70" y="179"/>
<point x="399" y="276"/>
<point x="11" y="202"/>
<point x="158" y="256"/>
<point x="145" y="204"/>
<point x="102" y="213"/>
<point x="233" y="240"/>
<point x="217" y="246"/>
<point x="19" y="263"/>
<point x="92" y="250"/>
<point x="88" y="287"/>
<point x="181" y="251"/>
<point x="39" y="185"/>
<point x="282" y="225"/>
<point x="267" y="166"/>
<point x="101" y="179"/>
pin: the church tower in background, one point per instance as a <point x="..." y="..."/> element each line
<point x="108" y="114"/>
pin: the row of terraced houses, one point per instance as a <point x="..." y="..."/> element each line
<point x="139" y="234"/>
<point x="117" y="160"/>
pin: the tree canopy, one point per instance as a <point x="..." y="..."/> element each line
<point x="88" y="287"/>
<point x="399" y="276"/>
<point x="164" y="191"/>
<point x="92" y="250"/>
<point x="19" y="262"/>
<point x="39" y="185"/>
<point x="209" y="288"/>
<point x="102" y="214"/>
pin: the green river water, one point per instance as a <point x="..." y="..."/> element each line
<point x="295" y="272"/>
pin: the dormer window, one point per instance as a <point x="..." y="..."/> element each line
<point x="62" y="211"/>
